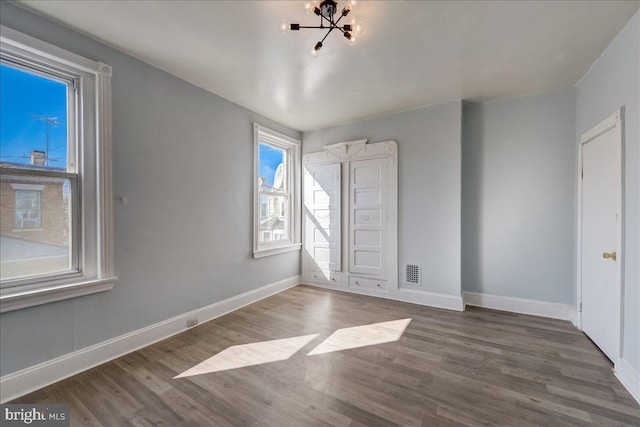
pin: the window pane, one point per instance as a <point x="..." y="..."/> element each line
<point x="274" y="224"/>
<point x="271" y="168"/>
<point x="35" y="230"/>
<point x="34" y="120"/>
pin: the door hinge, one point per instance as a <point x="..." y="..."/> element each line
<point x="580" y="308"/>
<point x="582" y="173"/>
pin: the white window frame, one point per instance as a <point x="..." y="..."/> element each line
<point x="291" y="146"/>
<point x="90" y="131"/>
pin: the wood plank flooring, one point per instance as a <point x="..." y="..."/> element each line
<point x="477" y="368"/>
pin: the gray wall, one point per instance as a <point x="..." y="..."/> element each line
<point x="183" y="159"/>
<point x="429" y="153"/>
<point x="518" y="203"/>
<point x="612" y="82"/>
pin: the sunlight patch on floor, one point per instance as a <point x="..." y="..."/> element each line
<point x="362" y="336"/>
<point x="240" y="356"/>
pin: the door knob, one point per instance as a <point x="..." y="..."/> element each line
<point x="609" y="255"/>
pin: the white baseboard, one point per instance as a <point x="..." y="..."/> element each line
<point x="432" y="299"/>
<point x="629" y="377"/>
<point x="35" y="377"/>
<point x="521" y="305"/>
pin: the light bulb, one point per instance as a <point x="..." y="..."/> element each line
<point x="315" y="51"/>
<point x="309" y="6"/>
<point x="357" y="27"/>
<point x="283" y="27"/>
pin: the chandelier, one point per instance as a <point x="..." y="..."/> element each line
<point x="327" y="12"/>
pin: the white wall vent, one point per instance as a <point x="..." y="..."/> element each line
<point x="412" y="274"/>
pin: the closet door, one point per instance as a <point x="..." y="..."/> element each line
<point x="322" y="197"/>
<point x="368" y="217"/>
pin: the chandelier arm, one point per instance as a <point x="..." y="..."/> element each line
<point x="317" y="28"/>
<point x="329" y="21"/>
<point x="335" y="27"/>
<point x="326" y="35"/>
<point x="339" y="19"/>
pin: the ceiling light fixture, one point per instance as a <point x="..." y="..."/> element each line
<point x="326" y="11"/>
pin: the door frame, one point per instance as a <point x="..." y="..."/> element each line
<point x="613" y="122"/>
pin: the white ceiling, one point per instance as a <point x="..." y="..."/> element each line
<point x="412" y="53"/>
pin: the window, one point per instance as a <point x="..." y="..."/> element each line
<point x="55" y="189"/>
<point x="264" y="209"/>
<point x="28" y="213"/>
<point x="276" y="193"/>
<point x="35" y="149"/>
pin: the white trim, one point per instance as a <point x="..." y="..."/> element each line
<point x="23" y="299"/>
<point x="270" y="132"/>
<point x="292" y="146"/>
<point x="277" y="250"/>
<point x="26" y="187"/>
<point x="629" y="377"/>
<point x="578" y="260"/>
<point x="521" y="305"/>
<point x="104" y="180"/>
<point x="21" y="42"/>
<point x="346" y="150"/>
<point x="353" y="150"/>
<point x="35" y="377"/>
<point x="430" y="299"/>
<point x="602" y="127"/>
<point x="392" y="237"/>
<point x="609" y="123"/>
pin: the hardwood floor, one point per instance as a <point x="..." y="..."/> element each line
<point x="480" y="367"/>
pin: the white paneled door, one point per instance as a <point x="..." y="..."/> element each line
<point x="368" y="217"/>
<point x="350" y="217"/>
<point x="322" y="197"/>
<point x="600" y="249"/>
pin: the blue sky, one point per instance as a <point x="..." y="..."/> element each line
<point x="269" y="159"/>
<point x="23" y="95"/>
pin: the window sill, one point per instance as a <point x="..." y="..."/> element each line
<point x="26" y="230"/>
<point x="261" y="253"/>
<point x="23" y="299"/>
